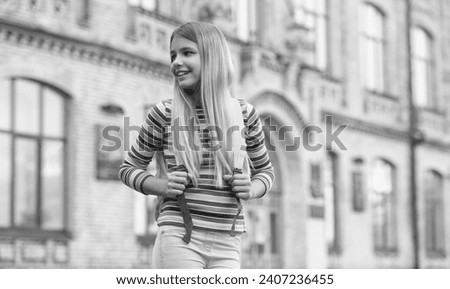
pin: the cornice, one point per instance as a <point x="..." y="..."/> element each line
<point x="26" y="35"/>
<point x="383" y="131"/>
<point x="367" y="127"/>
<point x="178" y="22"/>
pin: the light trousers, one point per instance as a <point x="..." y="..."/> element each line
<point x="206" y="250"/>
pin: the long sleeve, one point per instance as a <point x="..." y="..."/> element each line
<point x="133" y="171"/>
<point x="261" y="166"/>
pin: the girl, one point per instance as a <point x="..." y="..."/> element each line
<point x="210" y="154"/>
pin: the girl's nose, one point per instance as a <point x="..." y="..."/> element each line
<point x="178" y="62"/>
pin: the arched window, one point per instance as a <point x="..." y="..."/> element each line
<point x="32" y="155"/>
<point x="422" y="68"/>
<point x="372" y="47"/>
<point x="262" y="245"/>
<point x="383" y="186"/>
<point x="434" y="212"/>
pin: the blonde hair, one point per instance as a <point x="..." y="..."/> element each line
<point x="214" y="89"/>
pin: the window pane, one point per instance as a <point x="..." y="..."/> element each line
<point x="52" y="175"/>
<point x="309" y="4"/>
<point x="5" y="180"/>
<point x="420" y="82"/>
<point x="435" y="226"/>
<point x="370" y="64"/>
<point x="379" y="79"/>
<point x="321" y="44"/>
<point x="330" y="201"/>
<point x="420" y="43"/>
<point x="378" y="24"/>
<point x="321" y="7"/>
<point x="25" y="182"/>
<point x="309" y="21"/>
<point x="27" y="107"/>
<point x="5" y="104"/>
<point x="148" y="4"/>
<point x="53" y="114"/>
<point x="370" y="22"/>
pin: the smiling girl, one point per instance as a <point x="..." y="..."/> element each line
<point x="210" y="154"/>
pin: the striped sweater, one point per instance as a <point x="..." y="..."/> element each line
<point x="211" y="208"/>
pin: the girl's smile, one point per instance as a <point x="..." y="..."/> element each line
<point x="185" y="62"/>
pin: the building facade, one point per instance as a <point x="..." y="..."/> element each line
<point x="343" y="87"/>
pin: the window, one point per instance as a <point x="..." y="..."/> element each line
<point x="145" y="226"/>
<point x="313" y="15"/>
<point x="358" y="185"/>
<point x="382" y="203"/>
<point x="331" y="202"/>
<point x="261" y="19"/>
<point x="434" y="210"/>
<point x="149" y="5"/>
<point x="32" y="155"/>
<point x="242" y="18"/>
<point x="262" y="247"/>
<point x="372" y="46"/>
<point x="422" y="68"/>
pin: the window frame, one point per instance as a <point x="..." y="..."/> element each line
<point x="13" y="229"/>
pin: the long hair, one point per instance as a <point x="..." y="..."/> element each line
<point x="214" y="88"/>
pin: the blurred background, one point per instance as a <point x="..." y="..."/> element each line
<point x="368" y="82"/>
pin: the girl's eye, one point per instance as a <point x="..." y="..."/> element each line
<point x="188" y="53"/>
<point x="172" y="58"/>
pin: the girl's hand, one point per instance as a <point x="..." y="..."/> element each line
<point x="240" y="184"/>
<point x="176" y="183"/>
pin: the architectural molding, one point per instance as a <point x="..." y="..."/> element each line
<point x="366" y="127"/>
<point x="25" y="35"/>
<point x="271" y="97"/>
<point x="176" y="22"/>
<point x="382" y="131"/>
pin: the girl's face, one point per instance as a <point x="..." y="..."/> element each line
<point x="185" y="62"/>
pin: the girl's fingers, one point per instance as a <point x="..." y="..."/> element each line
<point x="176" y="186"/>
<point x="174" y="193"/>
<point x="237" y="179"/>
<point x="180" y="174"/>
<point x="237" y="189"/>
<point x="178" y="179"/>
<point x="241" y="182"/>
<point x="227" y="177"/>
<point x="244" y="196"/>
